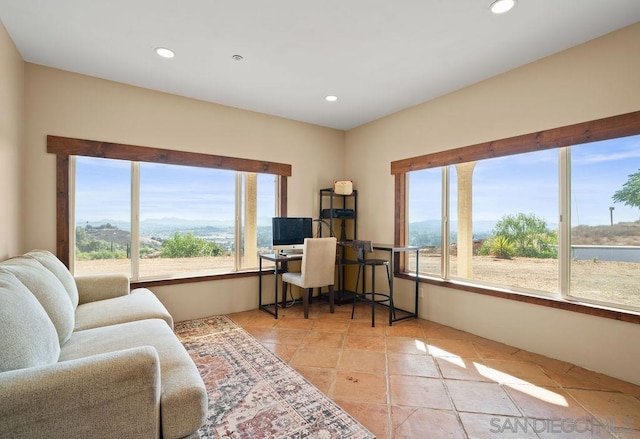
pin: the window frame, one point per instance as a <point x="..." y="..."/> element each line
<point x="65" y="147"/>
<point x="596" y="130"/>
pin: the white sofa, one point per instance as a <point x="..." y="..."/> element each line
<point x="87" y="358"/>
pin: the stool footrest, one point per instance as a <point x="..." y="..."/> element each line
<point x="386" y="297"/>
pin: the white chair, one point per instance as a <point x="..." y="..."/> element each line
<point x="317" y="270"/>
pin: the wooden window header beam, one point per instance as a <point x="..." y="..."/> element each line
<point x="91" y="148"/>
<point x="593" y="131"/>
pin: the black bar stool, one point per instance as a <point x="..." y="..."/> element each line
<point x="363" y="247"/>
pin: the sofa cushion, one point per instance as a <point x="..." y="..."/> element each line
<point x="95" y="287"/>
<point x="54" y="265"/>
<point x="28" y="336"/>
<point x="48" y="290"/>
<point x="106" y="396"/>
<point x="139" y="305"/>
<point x="183" y="400"/>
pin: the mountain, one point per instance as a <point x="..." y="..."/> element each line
<point x="479" y="227"/>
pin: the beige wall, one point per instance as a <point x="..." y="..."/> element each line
<point x="594" y="80"/>
<point x="11" y="91"/>
<point x="68" y="104"/>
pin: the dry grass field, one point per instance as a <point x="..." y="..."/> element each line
<point x="154" y="268"/>
<point x="596" y="280"/>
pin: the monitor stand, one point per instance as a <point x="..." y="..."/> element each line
<point x="291" y="252"/>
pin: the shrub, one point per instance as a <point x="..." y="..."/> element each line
<point x="100" y="254"/>
<point x="498" y="246"/>
<point x="189" y="246"/>
<point x="529" y="235"/>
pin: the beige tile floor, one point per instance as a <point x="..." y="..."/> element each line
<point x="419" y="379"/>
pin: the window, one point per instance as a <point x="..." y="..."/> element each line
<point x="174" y="214"/>
<point x="425" y="218"/>
<point x="496" y="236"/>
<point x="510" y="237"/>
<point x="258" y="207"/>
<point x="187" y="220"/>
<point x="605" y="229"/>
<point x="103" y="216"/>
<point x="555" y="213"/>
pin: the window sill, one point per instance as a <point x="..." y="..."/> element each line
<point x="551" y="302"/>
<point x="186" y="280"/>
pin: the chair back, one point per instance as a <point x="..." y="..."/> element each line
<point x="318" y="262"/>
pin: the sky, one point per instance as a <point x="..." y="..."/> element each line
<point x="103" y="192"/>
<point x="603" y="168"/>
<point x="598" y="170"/>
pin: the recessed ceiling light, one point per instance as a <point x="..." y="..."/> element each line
<point x="237" y="57"/>
<point x="331" y="98"/>
<point x="164" y="52"/>
<point x="502" y="6"/>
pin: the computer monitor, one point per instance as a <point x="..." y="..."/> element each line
<point x="289" y="233"/>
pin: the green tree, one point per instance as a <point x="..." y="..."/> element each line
<point x="189" y="246"/>
<point x="528" y="234"/>
<point x="88" y="248"/>
<point x="87" y="244"/>
<point x="630" y="192"/>
<point x="82" y="240"/>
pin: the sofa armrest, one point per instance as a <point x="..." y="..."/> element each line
<point x="116" y="394"/>
<point x="92" y="288"/>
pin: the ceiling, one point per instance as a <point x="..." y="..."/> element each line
<point x="377" y="56"/>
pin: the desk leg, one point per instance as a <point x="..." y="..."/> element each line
<point x="275" y="289"/>
<point x="260" y="283"/>
<point x="392" y="311"/>
<point x="417" y="281"/>
<point x="284" y="268"/>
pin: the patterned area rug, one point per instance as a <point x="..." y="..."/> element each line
<point x="253" y="393"/>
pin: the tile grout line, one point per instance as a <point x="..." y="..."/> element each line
<point x="391" y="433"/>
<point x="446" y="389"/>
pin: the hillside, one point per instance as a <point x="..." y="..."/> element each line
<point x="618" y="234"/>
<point x="427" y="233"/>
<point x="108" y="233"/>
<point x="113" y="235"/>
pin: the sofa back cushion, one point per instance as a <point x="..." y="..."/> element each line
<point x="28" y="336"/>
<point x="48" y="290"/>
<point x="50" y="261"/>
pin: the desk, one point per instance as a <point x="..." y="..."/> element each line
<point x="281" y="261"/>
<point x="393" y="252"/>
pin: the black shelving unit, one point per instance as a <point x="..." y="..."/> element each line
<point x="339" y="213"/>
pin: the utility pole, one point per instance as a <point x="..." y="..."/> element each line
<point x="611" y="214"/>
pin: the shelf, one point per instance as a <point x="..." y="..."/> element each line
<point x="339" y="213"/>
